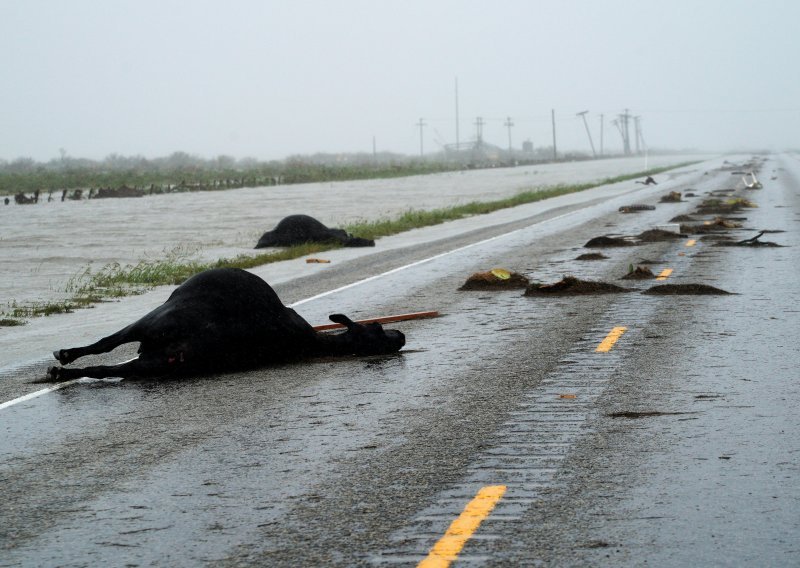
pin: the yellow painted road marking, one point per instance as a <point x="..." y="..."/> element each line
<point x="664" y="274"/>
<point x="690" y="242"/>
<point x="612" y="337"/>
<point x="449" y="546"/>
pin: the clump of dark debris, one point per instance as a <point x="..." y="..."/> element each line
<point x="571" y="286"/>
<point x="658" y="235"/>
<point x="671" y="197"/>
<point x="751" y="242"/>
<point x="635" y="208"/>
<point x="639" y="273"/>
<point x="719" y="206"/>
<point x="644" y="414"/>
<point x="495" y="279"/>
<point x="685" y="290"/>
<point x="718" y="224"/>
<point x="605" y="241"/>
<point x="592" y="256"/>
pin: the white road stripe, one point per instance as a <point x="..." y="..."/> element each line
<point x="36" y="394"/>
<point x="423" y="261"/>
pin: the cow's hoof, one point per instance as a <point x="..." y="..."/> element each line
<point x="62" y="356"/>
<point x="54" y="374"/>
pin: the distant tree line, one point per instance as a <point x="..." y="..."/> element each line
<point x="184" y="170"/>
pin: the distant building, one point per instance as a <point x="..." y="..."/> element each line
<point x="476" y="152"/>
<point x="527" y="147"/>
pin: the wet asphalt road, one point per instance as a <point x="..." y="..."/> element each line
<point x="367" y="461"/>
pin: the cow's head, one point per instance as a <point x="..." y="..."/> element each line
<point x="358" y="242"/>
<point x="367" y="339"/>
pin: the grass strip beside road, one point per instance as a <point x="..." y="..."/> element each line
<point x="115" y="281"/>
<point x="416" y="219"/>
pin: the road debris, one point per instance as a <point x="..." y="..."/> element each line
<point x="644" y="414"/>
<point x="382" y="319"/>
<point x="671" y="197"/>
<point x="571" y="286"/>
<point x="751" y="242"/>
<point x="495" y="279"/>
<point x="639" y="273"/>
<point x="606" y="241"/>
<point x="636" y="208"/>
<point x="684" y="290"/>
<point x="592" y="256"/>
<point x="658" y="235"/>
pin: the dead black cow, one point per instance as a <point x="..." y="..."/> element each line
<point x="222" y="320"/>
<point x="299" y="229"/>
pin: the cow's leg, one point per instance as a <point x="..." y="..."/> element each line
<point x="141" y="367"/>
<point x="126" y="335"/>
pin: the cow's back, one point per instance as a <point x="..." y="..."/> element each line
<point x="298" y="229"/>
<point x="230" y="317"/>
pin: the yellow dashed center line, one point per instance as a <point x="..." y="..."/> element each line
<point x="612" y="337"/>
<point x="690" y="242"/>
<point x="449" y="546"/>
<point x="664" y="274"/>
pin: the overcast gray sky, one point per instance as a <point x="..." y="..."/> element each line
<point x="267" y="79"/>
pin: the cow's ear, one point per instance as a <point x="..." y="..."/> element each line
<point x="342" y="319"/>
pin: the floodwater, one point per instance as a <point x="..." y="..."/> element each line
<point x="45" y="245"/>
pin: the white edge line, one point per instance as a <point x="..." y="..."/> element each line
<point x="418" y="262"/>
<point x="39" y="393"/>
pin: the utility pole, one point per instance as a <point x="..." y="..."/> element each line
<point x="644" y="145"/>
<point x="479" y="130"/>
<point x="618" y="123"/>
<point x="508" y="124"/>
<point x="636" y="132"/>
<point x="625" y="132"/>
<point x="374" y="150"/>
<point x="421" y="125"/>
<point x="458" y="140"/>
<point x="601" y="135"/>
<point x="553" y="118"/>
<point x="582" y="114"/>
<point x="640" y="143"/>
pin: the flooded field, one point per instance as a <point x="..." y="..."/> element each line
<point x="43" y="246"/>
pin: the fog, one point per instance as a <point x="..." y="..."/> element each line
<point x="268" y="79"/>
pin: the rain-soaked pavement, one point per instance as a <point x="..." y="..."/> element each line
<point x="679" y="446"/>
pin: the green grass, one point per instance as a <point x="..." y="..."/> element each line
<point x="414" y="219"/>
<point x="18" y="312"/>
<point x="114" y="280"/>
